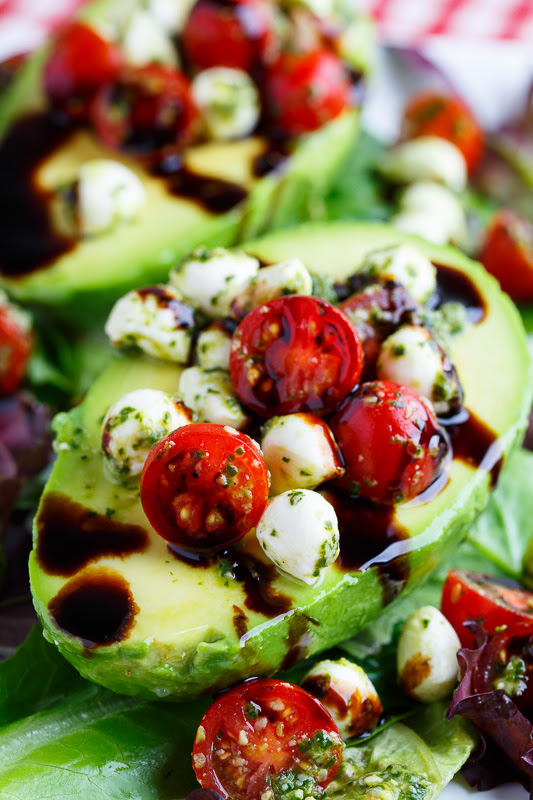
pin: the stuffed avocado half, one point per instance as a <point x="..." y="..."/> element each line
<point x="131" y="613"/>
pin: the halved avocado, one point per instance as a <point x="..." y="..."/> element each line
<point x="130" y="614"/>
<point x="84" y="276"/>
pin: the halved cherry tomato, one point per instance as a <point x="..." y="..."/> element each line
<point x="235" y="33"/>
<point x="147" y="109"/>
<point x="472" y="596"/>
<point x="508" y="254"/>
<point x="81" y="61"/>
<point x="295" y="354"/>
<point x="204" y="486"/>
<point x="303" y="91"/>
<point x="507" y="663"/>
<point x="16" y="343"/>
<point x="263" y="734"/>
<point x="390" y="439"/>
<point x="431" y="113"/>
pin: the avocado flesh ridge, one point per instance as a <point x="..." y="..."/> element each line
<point x="184" y="641"/>
<point x="83" y="282"/>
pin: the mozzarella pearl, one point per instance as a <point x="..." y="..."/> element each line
<point x="411" y="357"/>
<point x="432" y="212"/>
<point x="210" y="279"/>
<point x="228" y="100"/>
<point x="213" y="347"/>
<point x="300" y="452"/>
<point x="427" y="655"/>
<point x="153" y="320"/>
<point x="287" y="277"/>
<point x="348" y="694"/>
<point x="210" y="394"/>
<point x="134" y="424"/>
<point x="426" y="158"/>
<point x="299" y="532"/>
<point x="109" y="194"/>
<point x="403" y="264"/>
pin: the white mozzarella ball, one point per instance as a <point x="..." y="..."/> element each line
<point x="410" y="356"/>
<point x="170" y="14"/>
<point x="426" y="158"/>
<point x="404" y="264"/>
<point x="144" y="41"/>
<point x="153" y="320"/>
<point x="440" y="203"/>
<point x="300" y="451"/>
<point x="108" y="194"/>
<point x="213" y="347"/>
<point x="228" y="101"/>
<point x="134" y="424"/>
<point x="299" y="532"/>
<point x="427" y="655"/>
<point x="287" y="277"/>
<point x="210" y="279"/>
<point x="210" y="394"/>
<point x="348" y="694"/>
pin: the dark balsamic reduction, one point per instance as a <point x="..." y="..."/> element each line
<point x="213" y="194"/>
<point x="96" y="606"/>
<point x="274" y="157"/>
<point x="27" y="239"/>
<point x="474" y="443"/>
<point x="299" y="639"/>
<point x="240" y="621"/>
<point x="71" y="536"/>
<point x="454" y="286"/>
<point x="183" y="313"/>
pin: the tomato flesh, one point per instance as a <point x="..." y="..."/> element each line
<point x="16" y="344"/>
<point x="303" y="91"/>
<point x="431" y="113"/>
<point x="391" y="442"/>
<point x="295" y="354"/>
<point x="236" y="33"/>
<point x="204" y="486"/>
<point x="472" y="596"/>
<point x="81" y="61"/>
<point x="263" y="734"/>
<point x="507" y="254"/>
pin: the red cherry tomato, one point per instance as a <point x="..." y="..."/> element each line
<point x="79" y="64"/>
<point x="304" y="91"/>
<point x="16" y="343"/>
<point x="471" y="596"/>
<point x="149" y="108"/>
<point x="295" y="354"/>
<point x="431" y="113"/>
<point x="236" y="33"/>
<point x="391" y="442"/>
<point x="507" y="663"/>
<point x="508" y="254"/>
<point x="263" y="734"/>
<point x="204" y="486"/>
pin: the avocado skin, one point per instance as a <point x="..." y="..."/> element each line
<point x="192" y="647"/>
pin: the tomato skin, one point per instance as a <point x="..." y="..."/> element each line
<point x="431" y="113"/>
<point x="507" y="254"/>
<point x="294" y="354"/>
<point x="390" y="439"/>
<point x="16" y="344"/>
<point x="236" y="33"/>
<point x="204" y="486"/>
<point x="514" y="643"/>
<point x="148" y="108"/>
<point x="80" y="63"/>
<point x="472" y="596"/>
<point x="303" y="91"/>
<point x="271" y="713"/>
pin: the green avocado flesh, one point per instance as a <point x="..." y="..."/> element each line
<point x="85" y="279"/>
<point x="178" y="630"/>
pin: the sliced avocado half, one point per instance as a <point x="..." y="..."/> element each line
<point x="86" y="275"/>
<point x="167" y="628"/>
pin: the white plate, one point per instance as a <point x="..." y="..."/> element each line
<point x="458" y="789"/>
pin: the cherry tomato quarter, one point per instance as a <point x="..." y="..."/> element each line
<point x="431" y="113"/>
<point x="507" y="663"/>
<point x="204" y="486"/>
<point x="266" y="734"/>
<point x="149" y="108"/>
<point x="295" y="354"/>
<point x="472" y="596"/>
<point x="236" y="33"/>
<point x="391" y="442"/>
<point x="80" y="63"/>
<point x="16" y="344"/>
<point x="303" y="91"/>
<point x="507" y="254"/>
